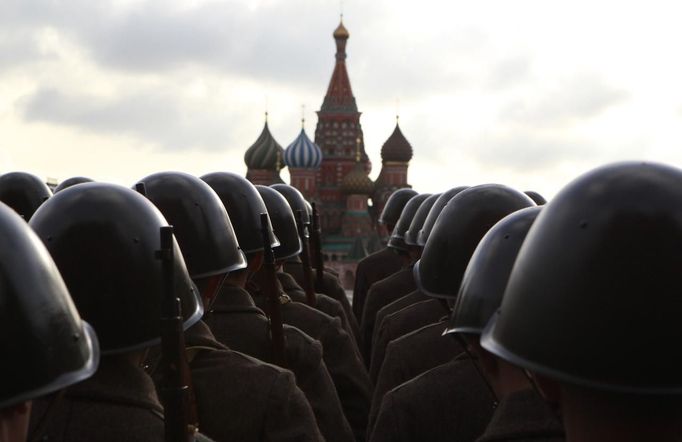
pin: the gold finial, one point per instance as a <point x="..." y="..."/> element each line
<point x="303" y="116"/>
<point x="397" y="110"/>
<point x="266" y="116"/>
<point x="357" y="149"/>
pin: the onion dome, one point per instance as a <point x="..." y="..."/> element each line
<point x="341" y="31"/>
<point x="357" y="182"/>
<point x="396" y="148"/>
<point x="263" y="154"/>
<point x="303" y="153"/>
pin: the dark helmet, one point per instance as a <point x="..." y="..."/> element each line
<point x="244" y="205"/>
<point x="488" y="271"/>
<point x="539" y="199"/>
<point x="45" y="345"/>
<point x="394" y="206"/>
<point x="459" y="228"/>
<point x="418" y="220"/>
<point x="283" y="223"/>
<point x="397" y="239"/>
<point x="71" y="182"/>
<point x="23" y="192"/>
<point x="200" y="223"/>
<point x="104" y="239"/>
<point x="430" y="221"/>
<point x="596" y="281"/>
<point x="295" y="199"/>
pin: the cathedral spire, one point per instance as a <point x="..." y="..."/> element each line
<point x="339" y="96"/>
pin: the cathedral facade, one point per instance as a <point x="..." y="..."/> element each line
<point x="333" y="171"/>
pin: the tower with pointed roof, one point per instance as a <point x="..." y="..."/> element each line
<point x="338" y="127"/>
<point x="264" y="158"/>
<point x="396" y="154"/>
<point x="303" y="158"/>
<point x="357" y="186"/>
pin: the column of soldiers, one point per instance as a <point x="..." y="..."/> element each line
<point x="489" y="316"/>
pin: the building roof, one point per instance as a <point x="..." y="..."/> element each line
<point x="357" y="182"/>
<point x="303" y="153"/>
<point x="265" y="153"/>
<point x="396" y="147"/>
<point x="339" y="98"/>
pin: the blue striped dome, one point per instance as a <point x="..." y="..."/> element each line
<point x="303" y="153"/>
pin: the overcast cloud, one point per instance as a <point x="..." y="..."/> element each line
<point x="528" y="92"/>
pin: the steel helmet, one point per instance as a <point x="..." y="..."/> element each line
<point x="200" y="223"/>
<point x="394" y="206"/>
<point x="442" y="200"/>
<point x="418" y="220"/>
<point x="71" y="182"/>
<point x="283" y="223"/>
<point x="104" y="239"/>
<point x="459" y="228"/>
<point x="397" y="239"/>
<point x="244" y="205"/>
<point x="488" y="271"/>
<point x="597" y="279"/>
<point x="295" y="199"/>
<point x="45" y="345"/>
<point x="23" y="192"/>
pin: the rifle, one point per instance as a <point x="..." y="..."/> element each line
<point x="308" y="284"/>
<point x="316" y="237"/>
<point x="180" y="416"/>
<point x="271" y="290"/>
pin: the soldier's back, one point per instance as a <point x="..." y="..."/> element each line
<point x="411" y="355"/>
<point x="447" y="403"/>
<point x="118" y="403"/>
<point x="371" y="269"/>
<point x="382" y="293"/>
<point x="397" y="305"/>
<point x="398" y="324"/>
<point x="236" y="322"/>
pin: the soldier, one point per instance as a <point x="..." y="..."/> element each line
<point x="331" y="285"/>
<point x="228" y="385"/>
<point x="415" y="317"/>
<point x="235" y="320"/>
<point x="23" y="192"/>
<point x="597" y="279"/>
<point x="521" y="414"/>
<point x="422" y="234"/>
<point x="340" y="354"/>
<point x="385" y="262"/>
<point x="455" y="235"/>
<point x="71" y="182"/>
<point x="395" y="286"/>
<point x="103" y="239"/>
<point x="46" y="346"/>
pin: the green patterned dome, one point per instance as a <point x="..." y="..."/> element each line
<point x="265" y="153"/>
<point x="357" y="182"/>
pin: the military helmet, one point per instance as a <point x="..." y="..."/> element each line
<point x="104" y="239"/>
<point x="486" y="275"/>
<point x="295" y="200"/>
<point x="23" y="192"/>
<point x="45" y="344"/>
<point x="397" y="238"/>
<point x="244" y="205"/>
<point x="418" y="220"/>
<point x="597" y="281"/>
<point x="200" y="223"/>
<point x="394" y="206"/>
<point x="431" y="218"/>
<point x="536" y="197"/>
<point x="283" y="223"/>
<point x="460" y="226"/>
<point x="71" y="182"/>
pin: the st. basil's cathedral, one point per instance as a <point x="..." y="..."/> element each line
<point x="334" y="170"/>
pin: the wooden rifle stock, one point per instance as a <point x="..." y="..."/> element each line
<point x="271" y="290"/>
<point x="308" y="284"/>
<point x="316" y="237"/>
<point x="180" y="418"/>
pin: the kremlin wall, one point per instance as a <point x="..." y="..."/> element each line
<point x="333" y="171"/>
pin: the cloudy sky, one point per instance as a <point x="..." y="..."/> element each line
<point x="527" y="93"/>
